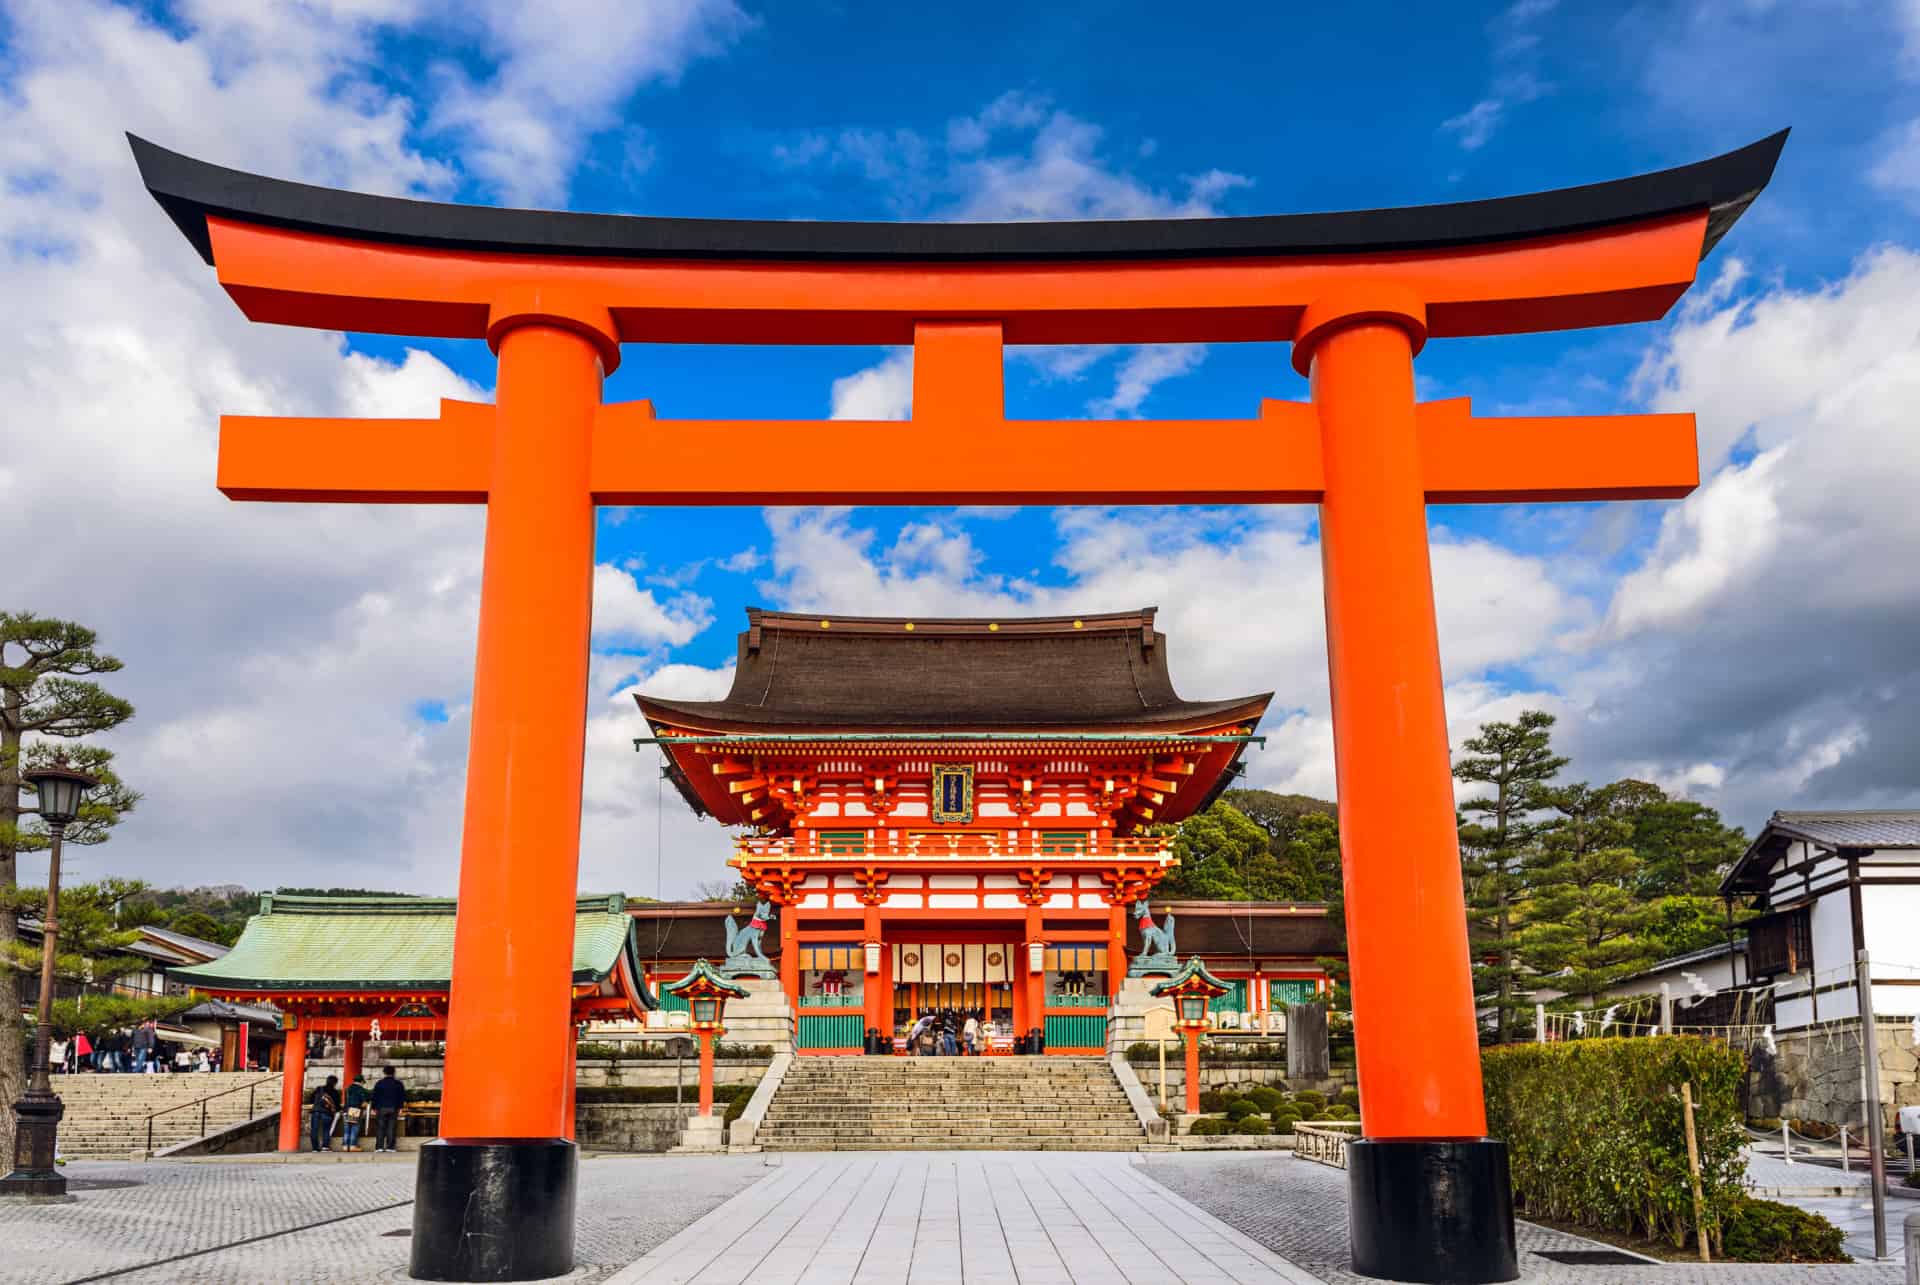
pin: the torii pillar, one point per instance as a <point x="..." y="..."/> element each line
<point x="1357" y="294"/>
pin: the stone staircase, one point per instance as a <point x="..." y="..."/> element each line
<point x="950" y="1103"/>
<point x="107" y="1114"/>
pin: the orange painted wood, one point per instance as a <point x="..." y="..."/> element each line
<point x="1629" y="272"/>
<point x="638" y="459"/>
<point x="293" y="1088"/>
<point x="513" y="931"/>
<point x="1406" y="912"/>
<point x="369" y="461"/>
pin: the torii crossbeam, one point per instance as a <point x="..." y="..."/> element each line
<point x="1357" y="295"/>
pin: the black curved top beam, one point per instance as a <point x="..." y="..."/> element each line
<point x="190" y="190"/>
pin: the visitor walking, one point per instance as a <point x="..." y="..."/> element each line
<point x="388" y="1096"/>
<point x="326" y="1105"/>
<point x="83" y="1059"/>
<point x="970" y="1035"/>
<point x="357" y="1096"/>
<point x="57" y="1057"/>
<point x="144" y="1038"/>
<point x="919" y="1033"/>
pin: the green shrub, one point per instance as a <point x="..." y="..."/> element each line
<point x="1340" y="1113"/>
<point x="1349" y="1098"/>
<point x="1913" y="1179"/>
<point x="1213" y="1102"/>
<point x="1253" y="1124"/>
<point x="1284" y="1119"/>
<point x="1311" y="1100"/>
<point x="1265" y="1096"/>
<point x="1207" y="1126"/>
<point x="1594" y="1133"/>
<point x="738" y="1106"/>
<point x="1241" y="1108"/>
<point x="1765" y="1231"/>
<point x="1139" y="1051"/>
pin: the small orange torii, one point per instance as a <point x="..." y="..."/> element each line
<point x="1357" y="294"/>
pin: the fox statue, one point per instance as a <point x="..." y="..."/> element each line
<point x="1154" y="941"/>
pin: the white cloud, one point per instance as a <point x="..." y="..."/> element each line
<point x="561" y="76"/>
<point x="881" y="391"/>
<point x="624" y="612"/>
<point x="1515" y="39"/>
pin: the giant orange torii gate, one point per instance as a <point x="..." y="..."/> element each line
<point x="1358" y="295"/>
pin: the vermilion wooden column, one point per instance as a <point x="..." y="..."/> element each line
<point x="872" y="997"/>
<point x="1424" y="1164"/>
<point x="352" y="1053"/>
<point x="1116" y="950"/>
<point x="503" y="1158"/>
<point x="706" y="1070"/>
<point x="293" y="1077"/>
<point x="1192" y="1036"/>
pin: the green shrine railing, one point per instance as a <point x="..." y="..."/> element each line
<point x="1076" y="1001"/>
<point x="1293" y="992"/>
<point x="832" y="1001"/>
<point x="1075" y="1031"/>
<point x="1235" y="1000"/>
<point x="670" y="1003"/>
<point x="831" y="1032"/>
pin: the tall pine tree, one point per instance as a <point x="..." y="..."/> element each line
<point x="1586" y="921"/>
<point x="48" y="700"/>
<point x="1517" y="760"/>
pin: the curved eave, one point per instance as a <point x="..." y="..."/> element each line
<point x="725" y="718"/>
<point x="190" y="190"/>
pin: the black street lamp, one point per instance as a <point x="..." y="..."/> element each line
<point x="36" y="1116"/>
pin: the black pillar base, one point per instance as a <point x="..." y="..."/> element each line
<point x="36" y="1124"/>
<point x="1437" y="1211"/>
<point x="494" y="1209"/>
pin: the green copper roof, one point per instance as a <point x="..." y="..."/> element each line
<point x="702" y="971"/>
<point x="384" y="943"/>
<point x="1192" y="969"/>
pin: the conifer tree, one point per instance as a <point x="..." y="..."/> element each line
<point x="48" y="700"/>
<point x="1586" y="921"/>
<point x="1517" y="760"/>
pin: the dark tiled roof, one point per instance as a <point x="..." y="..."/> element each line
<point x="860" y="673"/>
<point x="1852" y="829"/>
<point x="1858" y="830"/>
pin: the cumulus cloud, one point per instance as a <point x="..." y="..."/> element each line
<point x="1768" y="632"/>
<point x="559" y="77"/>
<point x="1515" y="40"/>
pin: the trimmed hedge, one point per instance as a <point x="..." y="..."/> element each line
<point x="1213" y="1101"/>
<point x="1595" y="1136"/>
<point x="1207" y="1126"/>
<point x="1265" y="1096"/>
<point x="1252" y="1124"/>
<point x="1241" y="1108"/>
<point x="1766" y="1231"/>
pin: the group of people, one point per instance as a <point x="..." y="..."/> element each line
<point x="349" y="1114"/>
<point x="947" y="1032"/>
<point x="139" y="1050"/>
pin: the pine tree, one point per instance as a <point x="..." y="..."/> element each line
<point x="1684" y="850"/>
<point x="1517" y="760"/>
<point x="46" y="691"/>
<point x="1586" y="922"/>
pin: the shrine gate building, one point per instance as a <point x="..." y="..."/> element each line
<point x="967" y="814"/>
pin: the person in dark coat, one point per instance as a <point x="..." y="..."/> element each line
<point x="326" y="1105"/>
<point x="389" y="1095"/>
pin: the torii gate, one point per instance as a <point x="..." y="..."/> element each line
<point x="1358" y="295"/>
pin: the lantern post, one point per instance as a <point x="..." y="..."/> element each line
<point x="1191" y="990"/>
<point x="706" y="993"/>
<point x="36" y="1115"/>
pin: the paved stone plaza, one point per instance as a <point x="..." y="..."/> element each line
<point x="1036" y="1218"/>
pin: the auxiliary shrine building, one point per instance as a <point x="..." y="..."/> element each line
<point x="968" y="815"/>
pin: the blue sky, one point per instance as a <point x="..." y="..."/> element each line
<point x="324" y="656"/>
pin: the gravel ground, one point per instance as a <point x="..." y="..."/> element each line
<point x="1298" y="1209"/>
<point x="627" y="1206"/>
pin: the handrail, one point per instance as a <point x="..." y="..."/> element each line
<point x="250" y="1086"/>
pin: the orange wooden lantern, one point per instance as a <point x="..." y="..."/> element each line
<point x="706" y="993"/>
<point x="1191" y="990"/>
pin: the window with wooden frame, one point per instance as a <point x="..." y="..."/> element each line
<point x="1780" y="943"/>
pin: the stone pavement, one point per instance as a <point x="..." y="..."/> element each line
<point x="323" y="1222"/>
<point x="1298" y="1209"/>
<point x="1037" y="1218"/>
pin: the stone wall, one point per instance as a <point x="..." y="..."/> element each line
<point x="630" y="1126"/>
<point x="1816" y="1074"/>
<point x="427" y="1073"/>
